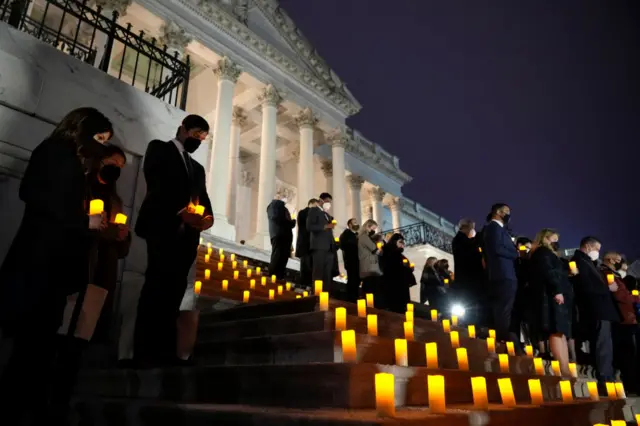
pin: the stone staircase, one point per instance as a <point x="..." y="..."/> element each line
<point x="278" y="359"/>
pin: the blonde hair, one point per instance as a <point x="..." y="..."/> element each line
<point x="540" y="240"/>
<point x="366" y="226"/>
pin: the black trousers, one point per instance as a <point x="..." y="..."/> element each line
<point x="322" y="268"/>
<point x="168" y="264"/>
<point x="280" y="254"/>
<point x="353" y="282"/>
<point x="306" y="270"/>
<point x="503" y="296"/>
<point x="625" y="354"/>
<point x="601" y="349"/>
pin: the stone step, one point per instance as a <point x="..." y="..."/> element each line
<point x="332" y="385"/>
<point x="127" y="412"/>
<point x="257" y="311"/>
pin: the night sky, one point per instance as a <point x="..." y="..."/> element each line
<point x="534" y="103"/>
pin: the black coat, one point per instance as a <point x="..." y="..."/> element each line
<point x="280" y="222"/>
<point x="593" y="298"/>
<point x="303" y="238"/>
<point x="395" y="279"/>
<point x="349" y="247"/>
<point x="467" y="259"/>
<point x="48" y="258"/>
<point x="321" y="238"/>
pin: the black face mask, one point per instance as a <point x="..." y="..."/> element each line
<point x="109" y="174"/>
<point x="617" y="265"/>
<point x="555" y="246"/>
<point x="400" y="249"/>
<point x="372" y="233"/>
<point x="506" y="218"/>
<point x="355" y="228"/>
<point x="191" y="144"/>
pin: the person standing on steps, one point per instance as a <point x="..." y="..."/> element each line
<point x="322" y="244"/>
<point x="175" y="183"/>
<point x="303" y="241"/>
<point x="349" y="247"/>
<point x="281" y="233"/>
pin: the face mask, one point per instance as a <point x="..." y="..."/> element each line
<point x="555" y="246"/>
<point x="400" y="249"/>
<point x="355" y="228"/>
<point x="372" y="232"/>
<point x="109" y="173"/>
<point x="326" y="206"/>
<point x="191" y="144"/>
<point x="593" y="255"/>
<point x="472" y="234"/>
<point x="284" y="200"/>
<point x="92" y="148"/>
<point x="506" y="218"/>
<point x="622" y="273"/>
<point x="617" y="266"/>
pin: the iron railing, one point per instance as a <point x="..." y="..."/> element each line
<point x="424" y="233"/>
<point x="86" y="34"/>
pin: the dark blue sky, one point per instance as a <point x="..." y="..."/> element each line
<point x="535" y="103"/>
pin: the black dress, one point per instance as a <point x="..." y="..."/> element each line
<point x="395" y="279"/>
<point x="548" y="277"/>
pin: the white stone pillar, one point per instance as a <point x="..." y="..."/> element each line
<point x="270" y="99"/>
<point x="239" y="118"/>
<point x="218" y="176"/>
<point x="395" y="205"/>
<point x="338" y="143"/>
<point x="376" y="194"/>
<point x="355" y="186"/>
<point x="244" y="210"/>
<point x="306" y="122"/>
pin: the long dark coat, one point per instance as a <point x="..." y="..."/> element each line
<point x="396" y="279"/>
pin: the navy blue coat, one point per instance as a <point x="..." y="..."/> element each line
<point x="500" y="253"/>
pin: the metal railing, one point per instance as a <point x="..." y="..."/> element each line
<point x="86" y="34"/>
<point x="424" y="233"/>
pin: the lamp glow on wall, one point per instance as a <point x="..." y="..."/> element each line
<point x="385" y="395"/>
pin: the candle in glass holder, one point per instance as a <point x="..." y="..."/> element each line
<point x="402" y="357"/>
<point x="410" y="307"/>
<point x="538" y="367"/>
<point x="504" y="363"/>
<point x="573" y="267"/>
<point x="120" y="219"/>
<point x="197" y="287"/>
<point x="510" y="349"/>
<point x="362" y="308"/>
<point x="409" y="316"/>
<point x="385" y="395"/>
<point x="620" y="391"/>
<point x="288" y="286"/>
<point x="280" y="290"/>
<point x="305" y="293"/>
<point x="248" y="273"/>
<point x="454" y="320"/>
<point x="528" y="349"/>
<point x="610" y="278"/>
<point x="479" y="389"/>
<point x="220" y="266"/>
<point x="555" y="368"/>
<point x="369" y="297"/>
<point x="207" y="257"/>
<point x="252" y="284"/>
<point x="222" y="258"/>
<point x="472" y="331"/>
<point x="491" y="345"/>
<point x="236" y="275"/>
<point x="273" y="279"/>
<point x="408" y="331"/>
<point x="199" y="210"/>
<point x="372" y="325"/>
<point x="455" y="339"/>
<point x="446" y="325"/>
<point x="506" y="392"/>
<point x="234" y="264"/>
<point x="207" y="274"/>
<point x="611" y="390"/>
<point x="317" y="287"/>
<point x="566" y="391"/>
<point x="324" y="301"/>
<point x="245" y="263"/>
<point x="463" y="360"/>
<point x="573" y="368"/>
<point x="96" y="207"/>
<point x="492" y="334"/>
<point x="245" y="296"/>
<point x="233" y="257"/>
<point x="434" y="315"/>
<point x="535" y="391"/>
<point x="432" y="355"/>
<point x="263" y="280"/>
<point x="435" y="387"/>
<point x="272" y="294"/>
<point x="348" y="343"/>
<point x="592" y="387"/>
<point x="341" y="319"/>
<point x="225" y="285"/>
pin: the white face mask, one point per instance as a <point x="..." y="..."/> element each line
<point x="326" y="206"/>
<point x="472" y="234"/>
<point x="593" y="255"/>
<point x="284" y="200"/>
<point x="622" y="273"/>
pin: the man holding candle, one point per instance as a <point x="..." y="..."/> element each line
<point x="322" y="244"/>
<point x="469" y="273"/>
<point x="349" y="247"/>
<point x="174" y="182"/>
<point x="280" y="231"/>
<point x="303" y="241"/>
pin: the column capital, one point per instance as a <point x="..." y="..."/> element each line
<point x="305" y="118"/>
<point x="377" y="194"/>
<point x="338" y="139"/>
<point x="395" y="204"/>
<point x="227" y="70"/>
<point x="171" y="34"/>
<point x="327" y="168"/>
<point x="239" y="116"/>
<point x="270" y="96"/>
<point x="246" y="178"/>
<point x="355" y="182"/>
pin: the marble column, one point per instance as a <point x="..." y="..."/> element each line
<point x="306" y="121"/>
<point x="395" y="205"/>
<point x="327" y="171"/>
<point x="338" y="143"/>
<point x="355" y="186"/>
<point x="270" y="99"/>
<point x="239" y="119"/>
<point x="376" y="194"/>
<point x="218" y="173"/>
<point x="243" y="210"/>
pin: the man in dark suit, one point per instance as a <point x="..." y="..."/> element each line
<point x="501" y="254"/>
<point x="468" y="285"/>
<point x="175" y="183"/>
<point x="280" y="231"/>
<point x="596" y="307"/>
<point x="303" y="241"/>
<point x="349" y="247"/>
<point x="322" y="244"/>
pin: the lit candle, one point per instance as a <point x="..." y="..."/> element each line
<point x="573" y="267"/>
<point x="245" y="296"/>
<point x="207" y="274"/>
<point x="318" y="287"/>
<point x="434" y="315"/>
<point x="566" y="391"/>
<point x="638" y="419"/>
<point x="248" y="273"/>
<point x="379" y="245"/>
<point x="201" y="240"/>
<point x="506" y="392"/>
<point x="96" y="207"/>
<point x="362" y="308"/>
<point x="412" y="265"/>
<point x="222" y="258"/>
<point x="635" y="293"/>
<point x="236" y="275"/>
<point x="617" y="423"/>
<point x="504" y="363"/>
<point x="479" y="249"/>
<point x="252" y="284"/>
<point x="348" y="342"/>
<point x="455" y="339"/>
<point x="263" y="280"/>
<point x="454" y="320"/>
<point x="273" y="279"/>
<point x="199" y="210"/>
<point x="523" y="248"/>
<point x="432" y="355"/>
<point x="206" y="258"/>
<point x="234" y="264"/>
<point x="610" y="278"/>
<point x="209" y="250"/>
<point x="298" y="296"/>
<point x="446" y="325"/>
<point x="324" y="301"/>
<point x="573" y="368"/>
<point x="245" y="263"/>
<point x="334" y="222"/>
<point x="220" y="266"/>
<point x="408" y="331"/>
<point x="446" y="281"/>
<point x="463" y="360"/>
<point x="233" y="257"/>
<point x="288" y="286"/>
<point x="409" y="316"/>
<point x="369" y="297"/>
<point x="611" y="391"/>
<point x="472" y="331"/>
<point x="341" y="319"/>
<point x="492" y="334"/>
<point x="537" y="365"/>
<point x="197" y="287"/>
<point x="305" y="293"/>
<point x="225" y="285"/>
<point x="336" y="239"/>
<point x="372" y="325"/>
<point x="280" y="290"/>
<point x="121" y="219"/>
<point x="258" y="270"/>
<point x="402" y="357"/>
<point x="535" y="390"/>
<point x="620" y="391"/>
<point x="208" y="244"/>
<point x="385" y="395"/>
<point x="555" y="368"/>
<point x="435" y="385"/>
<point x="528" y="349"/>
<point x="594" y="395"/>
<point x="479" y="388"/>
<point x="491" y="345"/>
<point x="510" y="349"/>
<point x="272" y="294"/>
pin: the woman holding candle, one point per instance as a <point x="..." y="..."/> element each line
<point x="48" y="258"/>
<point x="552" y="294"/>
<point x="396" y="276"/>
<point x="368" y="258"/>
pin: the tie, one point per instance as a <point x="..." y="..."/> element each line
<point x="187" y="163"/>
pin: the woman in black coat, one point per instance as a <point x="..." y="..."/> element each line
<point x="552" y="296"/>
<point x="396" y="275"/>
<point x="48" y="258"/>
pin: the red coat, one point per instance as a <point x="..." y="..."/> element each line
<point x="623" y="297"/>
